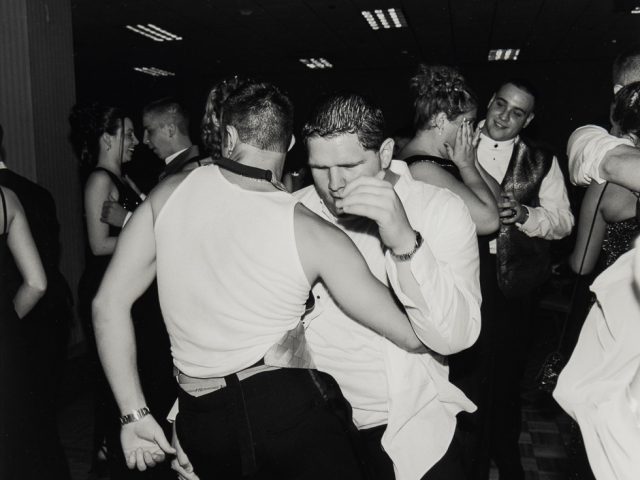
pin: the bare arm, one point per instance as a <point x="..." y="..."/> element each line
<point x="99" y="189"/>
<point x="130" y="273"/>
<point x="474" y="192"/>
<point x="621" y="165"/>
<point x="327" y="253"/>
<point x="589" y="248"/>
<point x="25" y="254"/>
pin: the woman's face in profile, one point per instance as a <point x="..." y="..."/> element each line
<point x="129" y="141"/>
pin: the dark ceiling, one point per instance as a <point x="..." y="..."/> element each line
<point x="566" y="47"/>
<point x="271" y="35"/>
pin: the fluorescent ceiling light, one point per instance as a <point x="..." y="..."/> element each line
<point x="154" y="32"/>
<point x="636" y="10"/>
<point x="385" y="19"/>
<point x="319" y="63"/>
<point x="154" y="72"/>
<point x="504" y="54"/>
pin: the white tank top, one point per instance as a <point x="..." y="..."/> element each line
<point x="229" y="275"/>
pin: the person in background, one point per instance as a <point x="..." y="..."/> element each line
<point x="22" y="447"/>
<point x="48" y="323"/>
<point x="534" y="209"/>
<point x="443" y="153"/>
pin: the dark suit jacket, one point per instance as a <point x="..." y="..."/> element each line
<point x="185" y="161"/>
<point x="40" y="210"/>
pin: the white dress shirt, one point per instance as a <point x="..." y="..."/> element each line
<point x="586" y="148"/>
<point x="553" y="219"/>
<point x="594" y="387"/>
<point x="383" y="383"/>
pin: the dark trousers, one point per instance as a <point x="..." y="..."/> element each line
<point x="380" y="466"/>
<point x="281" y="424"/>
<point x="510" y="326"/>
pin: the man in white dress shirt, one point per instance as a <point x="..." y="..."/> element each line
<point x="420" y="241"/>
<point x="534" y="209"/>
<point x="594" y="153"/>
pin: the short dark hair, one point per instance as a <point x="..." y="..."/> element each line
<point x="525" y="85"/>
<point x="171" y="110"/>
<point x="262" y="114"/>
<point x="626" y="109"/>
<point x="344" y="113"/>
<point x="439" y="88"/>
<point x="625" y="64"/>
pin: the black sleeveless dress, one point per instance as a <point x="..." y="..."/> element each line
<point x="20" y="446"/>
<point x="620" y="237"/>
<point x="96" y="265"/>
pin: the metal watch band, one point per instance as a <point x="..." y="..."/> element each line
<point x="409" y="255"/>
<point x="134" y="416"/>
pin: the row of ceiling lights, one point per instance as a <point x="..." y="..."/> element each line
<point x="377" y="19"/>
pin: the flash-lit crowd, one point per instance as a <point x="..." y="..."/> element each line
<point x="368" y="316"/>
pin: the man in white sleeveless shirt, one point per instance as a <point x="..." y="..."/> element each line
<point x="235" y="259"/>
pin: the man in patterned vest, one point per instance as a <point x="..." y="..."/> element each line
<point x="534" y="208"/>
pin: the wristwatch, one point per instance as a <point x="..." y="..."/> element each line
<point x="134" y="416"/>
<point x="408" y="256"/>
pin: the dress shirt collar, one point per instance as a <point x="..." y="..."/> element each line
<point x="496" y="145"/>
<point x="168" y="160"/>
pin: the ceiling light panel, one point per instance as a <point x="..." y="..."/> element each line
<point x="380" y="19"/>
<point x="636" y="10"/>
<point x="154" y="72"/>
<point x="319" y="63"/>
<point x="154" y="32"/>
<point x="504" y="54"/>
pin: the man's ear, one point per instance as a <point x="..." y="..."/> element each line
<point x="292" y="142"/>
<point x="439" y="119"/>
<point x="528" y="120"/>
<point x="386" y="153"/>
<point x="171" y="129"/>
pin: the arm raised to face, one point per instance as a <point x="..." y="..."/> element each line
<point x="327" y="253"/>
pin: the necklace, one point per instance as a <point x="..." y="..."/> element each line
<point x="254" y="173"/>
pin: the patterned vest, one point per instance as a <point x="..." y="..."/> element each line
<point x="523" y="262"/>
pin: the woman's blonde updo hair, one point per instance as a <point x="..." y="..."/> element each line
<point x="211" y="136"/>
<point x="439" y="88"/>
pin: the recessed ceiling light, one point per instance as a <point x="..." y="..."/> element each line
<point x="385" y="19"/>
<point x="154" y="72"/>
<point x="153" y="32"/>
<point x="319" y="63"/>
<point x="504" y="54"/>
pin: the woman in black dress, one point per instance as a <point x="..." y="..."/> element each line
<point x="104" y="139"/>
<point x="21" y="451"/>
<point x="442" y="152"/>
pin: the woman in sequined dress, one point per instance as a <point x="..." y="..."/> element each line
<point x="610" y="214"/>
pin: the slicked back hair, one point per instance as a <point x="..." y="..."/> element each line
<point x="262" y="114"/>
<point x="345" y="113"/>
<point x="167" y="110"/>
<point x="626" y="67"/>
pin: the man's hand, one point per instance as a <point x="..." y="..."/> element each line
<point x="113" y="213"/>
<point x="463" y="152"/>
<point x="144" y="444"/>
<point x="511" y="210"/>
<point x="375" y="198"/>
<point x="181" y="464"/>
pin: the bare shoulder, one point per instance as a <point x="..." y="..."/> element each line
<point x="433" y="174"/>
